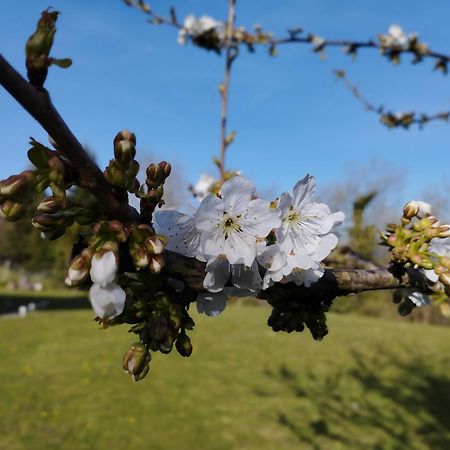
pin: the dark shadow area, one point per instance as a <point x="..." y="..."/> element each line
<point x="10" y="304"/>
<point x="379" y="403"/>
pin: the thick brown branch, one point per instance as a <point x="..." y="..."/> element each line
<point x="39" y="105"/>
<point x="334" y="283"/>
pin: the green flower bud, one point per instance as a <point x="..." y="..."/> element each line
<point x="12" y="211"/>
<point x="124" y="135"/>
<point x="136" y="361"/>
<point x="405" y="308"/>
<point x="155" y="173"/>
<point x="124" y="152"/>
<point x="183" y="345"/>
<point x="166" y="168"/>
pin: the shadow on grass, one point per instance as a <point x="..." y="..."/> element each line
<point x="378" y="403"/>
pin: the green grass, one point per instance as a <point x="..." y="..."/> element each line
<point x="46" y="293"/>
<point x="371" y="384"/>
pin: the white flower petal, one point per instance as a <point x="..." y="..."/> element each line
<point x="212" y="304"/>
<point x="244" y="277"/>
<point x="419" y="298"/>
<point x="326" y="245"/>
<point x="218" y="273"/>
<point x="209" y="214"/>
<point x="237" y="194"/>
<point x="103" y="268"/>
<point x="108" y="301"/>
<point x="303" y="191"/>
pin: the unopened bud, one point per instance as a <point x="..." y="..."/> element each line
<point x="124" y="135"/>
<point x="155" y="173"/>
<point x="124" y="152"/>
<point x="156" y="244"/>
<point x="50" y="205"/>
<point x="416" y="208"/>
<point x="140" y="258"/>
<point x="49" y="222"/>
<point x="405" y="307"/>
<point x="444" y="231"/>
<point x="15" y="185"/>
<point x="184" y="345"/>
<point x="166" y="168"/>
<point x="444" y="277"/>
<point x="12" y="211"/>
<point x="156" y="263"/>
<point x="391" y="227"/>
<point x="136" y="361"/>
<point x="115" y="175"/>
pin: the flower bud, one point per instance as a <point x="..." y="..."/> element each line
<point x="124" y="152"/>
<point x="15" y="185"/>
<point x="124" y="135"/>
<point x="416" y="208"/>
<point x="104" y="268"/>
<point x="405" y="307"/>
<point x="49" y="222"/>
<point x="166" y="168"/>
<point x="136" y="361"/>
<point x="50" y="205"/>
<point x="115" y="175"/>
<point x="184" y="345"/>
<point x="155" y="173"/>
<point x="140" y="258"/>
<point x="156" y="244"/>
<point x="156" y="263"/>
<point x="12" y="211"/>
<point x="444" y="277"/>
<point x="444" y="231"/>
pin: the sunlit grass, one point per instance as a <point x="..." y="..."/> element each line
<point x="370" y="384"/>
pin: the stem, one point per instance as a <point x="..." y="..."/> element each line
<point x="38" y="104"/>
<point x="230" y="56"/>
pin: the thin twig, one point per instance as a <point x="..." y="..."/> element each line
<point x="389" y="118"/>
<point x="225" y="87"/>
<point x="38" y="103"/>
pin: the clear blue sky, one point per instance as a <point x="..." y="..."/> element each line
<point x="291" y="115"/>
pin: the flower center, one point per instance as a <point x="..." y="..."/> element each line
<point x="229" y="225"/>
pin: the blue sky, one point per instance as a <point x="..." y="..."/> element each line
<point x="291" y="116"/>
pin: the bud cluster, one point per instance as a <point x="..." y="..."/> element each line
<point x="15" y="194"/>
<point x="123" y="169"/>
<point x="52" y="170"/>
<point x="146" y="248"/>
<point x="151" y="194"/>
<point x="294" y="315"/>
<point x="163" y="324"/>
<point x="409" y="240"/>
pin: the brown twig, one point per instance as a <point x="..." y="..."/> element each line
<point x="389" y="118"/>
<point x="225" y="86"/>
<point x="38" y="103"/>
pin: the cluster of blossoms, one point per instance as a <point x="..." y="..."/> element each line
<point x="204" y="32"/>
<point x="240" y="236"/>
<point x="396" y="41"/>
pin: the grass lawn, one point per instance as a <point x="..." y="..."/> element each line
<point x="371" y="384"/>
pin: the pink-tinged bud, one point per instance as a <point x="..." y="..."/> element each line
<point x="124" y="135"/>
<point x="155" y="173"/>
<point x="444" y="278"/>
<point x="156" y="244"/>
<point x="49" y="222"/>
<point x="444" y="231"/>
<point x="166" y="168"/>
<point x="12" y="211"/>
<point x="156" y="263"/>
<point x="15" y="185"/>
<point x="140" y="258"/>
<point x="416" y="208"/>
<point x="119" y="230"/>
<point x="136" y="361"/>
<point x="50" y="205"/>
<point x="79" y="268"/>
<point x="56" y="165"/>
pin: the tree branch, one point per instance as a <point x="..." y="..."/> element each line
<point x="334" y="283"/>
<point x="39" y="106"/>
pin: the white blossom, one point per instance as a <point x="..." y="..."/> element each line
<point x="203" y="186"/>
<point x="441" y="247"/>
<point x="103" y="268"/>
<point x="396" y="37"/>
<point x="74" y="276"/>
<point x="232" y="224"/>
<point x="195" y="27"/>
<point x="419" y="208"/>
<point x="305" y="238"/>
<point x="107" y="301"/>
<point x="179" y="228"/>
